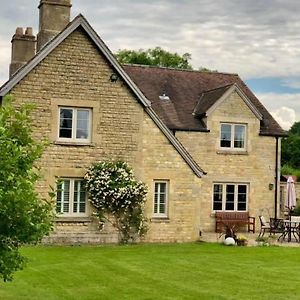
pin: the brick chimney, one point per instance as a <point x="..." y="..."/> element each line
<point x="22" y="49"/>
<point x="54" y="17"/>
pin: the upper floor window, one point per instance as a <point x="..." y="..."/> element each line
<point x="233" y="136"/>
<point x="160" y="198"/>
<point x="74" y="124"/>
<point x="230" y="196"/>
<point x="71" y="197"/>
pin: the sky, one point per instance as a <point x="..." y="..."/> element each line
<point x="259" y="40"/>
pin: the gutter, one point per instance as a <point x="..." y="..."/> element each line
<point x="276" y="178"/>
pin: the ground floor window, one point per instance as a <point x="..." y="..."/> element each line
<point x="230" y="196"/>
<point x="160" y="199"/>
<point x="71" y="197"/>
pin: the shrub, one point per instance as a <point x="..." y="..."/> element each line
<point x="24" y="217"/>
<point x="116" y="195"/>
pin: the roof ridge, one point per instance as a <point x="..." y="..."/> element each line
<point x="218" y="88"/>
<point x="176" y="69"/>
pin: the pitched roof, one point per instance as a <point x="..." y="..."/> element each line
<point x="185" y="88"/>
<point x="81" y="22"/>
<point x="210" y="100"/>
<point x="207" y="99"/>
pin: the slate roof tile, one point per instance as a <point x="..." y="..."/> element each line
<point x="185" y="88"/>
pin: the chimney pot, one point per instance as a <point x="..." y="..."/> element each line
<point x="19" y="31"/>
<point x="28" y="31"/>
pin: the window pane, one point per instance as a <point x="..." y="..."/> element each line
<point x="160" y="197"/>
<point x="229" y="197"/>
<point x="239" y="136"/>
<point x="79" y="202"/>
<point x="82" y="124"/>
<point x="225" y="135"/>
<point x="63" y="197"/>
<point x="242" y="206"/>
<point x="217" y="198"/>
<point x="156" y="199"/>
<point x="66" y="195"/>
<point x="162" y="207"/>
<point x="59" y="198"/>
<point x="162" y="187"/>
<point x="65" y="123"/>
<point x="242" y="197"/>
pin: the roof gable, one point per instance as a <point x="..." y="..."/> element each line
<point x="80" y="21"/>
<point x="51" y="45"/>
<point x="210" y="100"/>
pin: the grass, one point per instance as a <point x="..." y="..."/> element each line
<point x="172" y="271"/>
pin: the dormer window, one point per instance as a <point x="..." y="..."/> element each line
<point x="233" y="136"/>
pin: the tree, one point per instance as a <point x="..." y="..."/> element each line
<point x="291" y="147"/>
<point x="155" y="57"/>
<point x="24" y="217"/>
<point x="295" y="129"/>
<point x="118" y="198"/>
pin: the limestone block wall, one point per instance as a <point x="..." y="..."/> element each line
<point x="75" y="74"/>
<point x="255" y="166"/>
<point x="161" y="162"/>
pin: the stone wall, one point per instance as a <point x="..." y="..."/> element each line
<point x="255" y="166"/>
<point x="76" y="74"/>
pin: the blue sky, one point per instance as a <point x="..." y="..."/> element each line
<point x="260" y="42"/>
<point x="273" y="85"/>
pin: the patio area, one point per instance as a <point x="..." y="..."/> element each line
<point x="213" y="237"/>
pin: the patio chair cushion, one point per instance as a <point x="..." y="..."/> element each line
<point x="263" y="221"/>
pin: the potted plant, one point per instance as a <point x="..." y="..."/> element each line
<point x="242" y="241"/>
<point x="296" y="211"/>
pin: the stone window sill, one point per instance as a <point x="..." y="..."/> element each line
<point x="73" y="220"/>
<point x="73" y="144"/>
<point x="232" y="152"/>
<point x="159" y="220"/>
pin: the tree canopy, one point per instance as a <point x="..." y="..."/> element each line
<point x="24" y="217"/>
<point x="155" y="57"/>
<point x="291" y="147"/>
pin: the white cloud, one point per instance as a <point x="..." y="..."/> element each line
<point x="285" y="116"/>
<point x="285" y="108"/>
<point x="291" y="82"/>
<point x="232" y="36"/>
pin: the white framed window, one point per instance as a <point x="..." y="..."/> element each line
<point x="230" y="196"/>
<point x="161" y="189"/>
<point x="74" y="124"/>
<point x="233" y="136"/>
<point x="71" y="198"/>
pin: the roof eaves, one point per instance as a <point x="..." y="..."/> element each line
<point x="248" y="102"/>
<point x="275" y="134"/>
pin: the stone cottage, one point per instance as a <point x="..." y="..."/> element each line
<point x="201" y="141"/>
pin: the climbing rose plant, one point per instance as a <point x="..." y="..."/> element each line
<point x="118" y="198"/>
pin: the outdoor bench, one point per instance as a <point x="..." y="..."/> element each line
<point x="225" y="220"/>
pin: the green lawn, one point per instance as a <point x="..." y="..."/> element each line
<point x="172" y="271"/>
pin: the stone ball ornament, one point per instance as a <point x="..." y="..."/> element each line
<point x="229" y="241"/>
